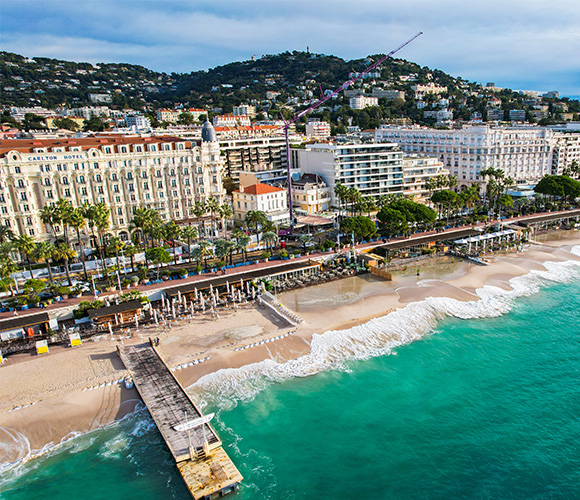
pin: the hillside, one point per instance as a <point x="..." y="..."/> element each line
<point x="297" y="76"/>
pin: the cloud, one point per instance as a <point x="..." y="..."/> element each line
<point x="519" y="43"/>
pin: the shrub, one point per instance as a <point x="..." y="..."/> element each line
<point x="63" y="290"/>
<point x="265" y="254"/>
<point x="84" y="306"/>
<point x="34" y="285"/>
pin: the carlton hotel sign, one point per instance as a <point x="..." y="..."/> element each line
<point x="55" y="157"/>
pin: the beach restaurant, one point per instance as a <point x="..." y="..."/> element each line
<point x="117" y="314"/>
<point x="28" y="326"/>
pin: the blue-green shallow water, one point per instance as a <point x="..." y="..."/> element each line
<point x="482" y="408"/>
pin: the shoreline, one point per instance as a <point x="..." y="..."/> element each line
<point x="56" y="385"/>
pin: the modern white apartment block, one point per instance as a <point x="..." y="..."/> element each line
<point x="417" y="170"/>
<point x="139" y="122"/>
<point x="271" y="200"/>
<point x="361" y="102"/>
<point x="231" y="120"/>
<point x="244" y="110"/>
<point x="318" y="129"/>
<point x="373" y="168"/>
<point x="524" y="153"/>
<point x="167" y="174"/>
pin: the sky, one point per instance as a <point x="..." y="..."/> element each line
<point x="520" y="44"/>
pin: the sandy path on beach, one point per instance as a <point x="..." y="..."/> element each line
<point x="55" y="381"/>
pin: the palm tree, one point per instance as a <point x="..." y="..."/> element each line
<point x="130" y="251"/>
<point x="141" y="220"/>
<point x="64" y="210"/>
<point x="171" y="231"/>
<point x="65" y="253"/>
<point x="242" y="243"/>
<point x="223" y="249"/>
<point x="258" y="218"/>
<point x="25" y="245"/>
<point x="44" y="251"/>
<point x="6" y="234"/>
<point x="77" y="221"/>
<point x="353" y="196"/>
<point x="7" y="265"/>
<point x="198" y="211"/>
<point x="226" y="212"/>
<point x="115" y="245"/>
<point x="189" y="233"/>
<point x="341" y="193"/>
<point x="304" y="240"/>
<point x="203" y="251"/>
<point x="49" y="217"/>
<point x="214" y="207"/>
<point x="102" y="222"/>
<point x="270" y="238"/>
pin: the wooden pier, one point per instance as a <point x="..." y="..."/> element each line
<point x="195" y="445"/>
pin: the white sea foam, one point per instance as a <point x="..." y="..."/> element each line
<point x="334" y="349"/>
<point x="18" y="445"/>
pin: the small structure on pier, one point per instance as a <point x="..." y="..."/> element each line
<point x="28" y="326"/>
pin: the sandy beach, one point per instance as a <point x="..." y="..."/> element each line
<point x="44" y="400"/>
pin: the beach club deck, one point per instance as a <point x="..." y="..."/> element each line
<point x="195" y="445"/>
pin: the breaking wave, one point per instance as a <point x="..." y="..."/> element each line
<point x="333" y="350"/>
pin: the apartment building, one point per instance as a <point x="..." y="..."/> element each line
<point x="168" y="115"/>
<point x="231" y="120"/>
<point x="318" y="129"/>
<point x="361" y="102"/>
<point x="524" y="153"/>
<point x="244" y="110"/>
<point x="417" y="170"/>
<point x="372" y="168"/>
<point x="164" y="173"/>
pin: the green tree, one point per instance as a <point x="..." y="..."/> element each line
<point x="257" y="218"/>
<point x="66" y="123"/>
<point x="158" y="256"/>
<point x="43" y="252"/>
<point x="65" y="253"/>
<point x="25" y="245"/>
<point x="189" y="233"/>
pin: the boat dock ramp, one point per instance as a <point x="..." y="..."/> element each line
<point x="195" y="445"/>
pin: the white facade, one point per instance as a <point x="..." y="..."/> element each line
<point x="244" y="110"/>
<point x="524" y="153"/>
<point x="318" y="129"/>
<point x="361" y="102"/>
<point x="167" y="174"/>
<point x="273" y="201"/>
<point x="374" y="168"/>
<point x="310" y="194"/>
<point x="139" y="122"/>
<point x="231" y="121"/>
<point x="417" y="170"/>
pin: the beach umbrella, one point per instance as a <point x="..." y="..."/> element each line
<point x="155" y="316"/>
<point x="239" y="295"/>
<point x="110" y="328"/>
<point x="136" y="321"/>
<point x="228" y="286"/>
<point x="202" y="300"/>
<point x="179" y="296"/>
<point x="195" y="293"/>
<point x="210" y="289"/>
<point x="253" y="294"/>
<point x="173" y="309"/>
<point x="192" y="310"/>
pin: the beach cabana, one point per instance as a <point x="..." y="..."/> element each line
<point x="117" y="314"/>
<point x="27" y="326"/>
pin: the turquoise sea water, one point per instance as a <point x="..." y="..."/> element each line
<point x="483" y="407"/>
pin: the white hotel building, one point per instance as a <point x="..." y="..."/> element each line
<point x="374" y="169"/>
<point x="525" y="154"/>
<point x="167" y="174"/>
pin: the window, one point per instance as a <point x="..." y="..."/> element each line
<point x="100" y="190"/>
<point x="64" y="180"/>
<point x="131" y="188"/>
<point x="98" y="178"/>
<point x="67" y="192"/>
<point x="172" y="171"/>
<point x="20" y="183"/>
<point x="4" y="210"/>
<point x="29" y="221"/>
<point x="116" y="188"/>
<point x="2" y="198"/>
<point x="81" y="179"/>
<point x="160" y="184"/>
<point x="118" y="199"/>
<point x="114" y="177"/>
<point x="17" y="169"/>
<point x="143" y="175"/>
<point x="31" y="232"/>
<point x="145" y="185"/>
<point x="48" y="195"/>
<point x="84" y="191"/>
<point x="95" y="165"/>
<point x="129" y="176"/>
<point x="119" y="211"/>
<point x="158" y="173"/>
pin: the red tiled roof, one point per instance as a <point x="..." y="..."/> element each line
<point x="260" y="189"/>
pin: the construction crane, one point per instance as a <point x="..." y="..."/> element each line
<point x="323" y="99"/>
